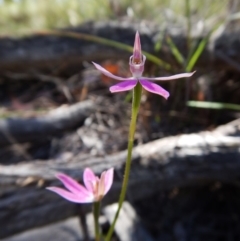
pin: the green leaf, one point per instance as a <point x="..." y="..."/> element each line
<point x="175" y="51"/>
<point x="199" y="49"/>
<point x="197" y="53"/>
<point x="213" y="105"/>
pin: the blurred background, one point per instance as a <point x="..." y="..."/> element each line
<point x="57" y="114"/>
<point x="21" y="16"/>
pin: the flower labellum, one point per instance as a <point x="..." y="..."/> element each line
<point x="95" y="188"/>
<point x="136" y="64"/>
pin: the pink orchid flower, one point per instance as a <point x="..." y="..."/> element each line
<point x="136" y="62"/>
<point x="95" y="188"/>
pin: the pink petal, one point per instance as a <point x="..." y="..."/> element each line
<point x="72" y="185"/>
<point x="71" y="196"/>
<point x="176" y="76"/>
<point x="107" y="73"/>
<point x="89" y="178"/>
<point x="108" y="180"/>
<point x="123" y="86"/>
<point x="154" y="88"/>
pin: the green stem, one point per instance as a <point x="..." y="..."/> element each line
<point x="135" y="108"/>
<point x="96" y="210"/>
<point x="188" y="16"/>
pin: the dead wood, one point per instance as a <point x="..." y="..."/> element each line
<point x="56" y="54"/>
<point x="128" y="226"/>
<point x="184" y="160"/>
<point x="68" y="230"/>
<point x="16" y="130"/>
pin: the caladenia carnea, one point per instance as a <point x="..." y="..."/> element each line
<point x="93" y="192"/>
<point x="96" y="188"/>
<point x="135" y="83"/>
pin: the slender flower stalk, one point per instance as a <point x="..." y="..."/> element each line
<point x="96" y="211"/>
<point x="137" y="91"/>
<point x="135" y="83"/>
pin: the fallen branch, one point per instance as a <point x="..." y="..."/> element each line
<point x="17" y="130"/>
<point x="128" y="226"/>
<point x="46" y="51"/>
<point x="184" y="160"/>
